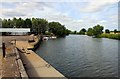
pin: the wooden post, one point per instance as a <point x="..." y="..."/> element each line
<point x="15" y="41"/>
<point x="3" y="48"/>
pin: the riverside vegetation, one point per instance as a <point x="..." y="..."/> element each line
<point x="42" y="26"/>
<point x="97" y="31"/>
<point x="36" y="25"/>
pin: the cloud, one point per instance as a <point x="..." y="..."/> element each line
<point x="103" y="21"/>
<point x="13" y="14"/>
<point x="97" y="5"/>
<point x="44" y="1"/>
<point x="22" y="9"/>
<point x="51" y="13"/>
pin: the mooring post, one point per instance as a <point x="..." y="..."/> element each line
<point x="3" y="48"/>
<point x="15" y="41"/>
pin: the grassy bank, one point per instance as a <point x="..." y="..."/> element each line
<point x="111" y="36"/>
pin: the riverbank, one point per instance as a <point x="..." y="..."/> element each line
<point x="106" y="35"/>
<point x="110" y="36"/>
<point x="34" y="65"/>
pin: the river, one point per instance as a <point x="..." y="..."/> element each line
<point x="82" y="56"/>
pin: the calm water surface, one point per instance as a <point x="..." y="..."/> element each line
<point x="82" y="56"/>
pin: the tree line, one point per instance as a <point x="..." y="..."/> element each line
<point x="37" y="26"/>
<point x="95" y="31"/>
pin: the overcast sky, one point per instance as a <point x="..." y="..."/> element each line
<point x="74" y="14"/>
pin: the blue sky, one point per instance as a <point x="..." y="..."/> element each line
<point x="74" y="15"/>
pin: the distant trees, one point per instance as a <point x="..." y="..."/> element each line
<point x="57" y="29"/>
<point x="36" y="25"/>
<point x="39" y="25"/>
<point x="75" y="32"/>
<point x="97" y="30"/>
<point x="115" y="31"/>
<point x="82" y="31"/>
<point x="27" y="23"/>
<point x="67" y="32"/>
<point x="90" y="32"/>
<point x="4" y="23"/>
<point x="107" y="31"/>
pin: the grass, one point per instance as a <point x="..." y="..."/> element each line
<point x="111" y="36"/>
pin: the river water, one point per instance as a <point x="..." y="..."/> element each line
<point x="82" y="56"/>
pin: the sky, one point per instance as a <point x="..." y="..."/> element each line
<point x="74" y="14"/>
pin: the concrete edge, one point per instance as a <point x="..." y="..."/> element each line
<point x="20" y="66"/>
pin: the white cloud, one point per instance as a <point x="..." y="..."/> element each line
<point x="44" y="10"/>
<point x="44" y="0"/>
<point x="114" y="17"/>
<point x="22" y="9"/>
<point x="28" y="10"/>
<point x="103" y="21"/>
<point x="97" y="5"/>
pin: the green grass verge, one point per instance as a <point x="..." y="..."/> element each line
<point x="111" y="36"/>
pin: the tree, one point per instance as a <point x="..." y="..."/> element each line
<point x="39" y="25"/>
<point x="82" y="31"/>
<point x="107" y="31"/>
<point x="90" y="32"/>
<point x="67" y="32"/>
<point x="5" y="23"/>
<point x="75" y="32"/>
<point x="57" y="29"/>
<point x="27" y="23"/>
<point x="97" y="30"/>
<point x="35" y="26"/>
<point x="42" y="24"/>
<point x="19" y="23"/>
<point x="14" y="21"/>
<point x="10" y="23"/>
<point x="115" y="31"/>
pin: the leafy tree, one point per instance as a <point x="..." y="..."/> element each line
<point x="9" y="22"/>
<point x="19" y="23"/>
<point x="39" y="25"/>
<point x="115" y="31"/>
<point x="14" y="21"/>
<point x="42" y="24"/>
<point x="5" y="23"/>
<point x="27" y="23"/>
<point x="36" y="25"/>
<point x="90" y="32"/>
<point x="107" y="31"/>
<point x="82" y="31"/>
<point x="57" y="29"/>
<point x="97" y="30"/>
<point x="67" y="32"/>
<point x="75" y="32"/>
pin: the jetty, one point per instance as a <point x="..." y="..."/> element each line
<point x="20" y="61"/>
